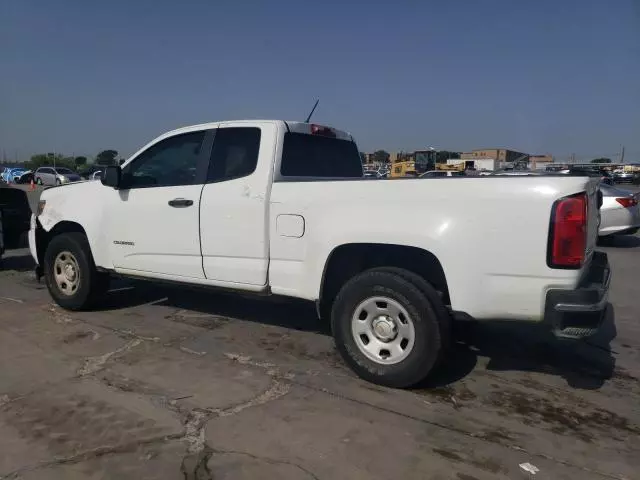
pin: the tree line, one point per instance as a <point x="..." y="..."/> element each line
<point x="104" y="158"/>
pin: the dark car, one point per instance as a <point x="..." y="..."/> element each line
<point x="621" y="176"/>
<point x="16" y="215"/>
<point x="88" y="172"/>
<point x="605" y="177"/>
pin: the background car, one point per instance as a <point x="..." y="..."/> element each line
<point x="517" y="173"/>
<point x="605" y="177"/>
<point x="16" y="175"/>
<point x="4" y="175"/>
<point x="16" y="215"/>
<point x="89" y="171"/>
<point x="620" y="212"/>
<point x="441" y="173"/>
<point x="620" y="176"/>
<point x="55" y="176"/>
<point x="22" y="176"/>
<point x="1" y="236"/>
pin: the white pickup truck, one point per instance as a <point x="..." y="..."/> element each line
<point x="282" y="208"/>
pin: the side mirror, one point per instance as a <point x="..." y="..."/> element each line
<point x="112" y="176"/>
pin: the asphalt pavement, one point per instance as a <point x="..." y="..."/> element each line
<point x="167" y="383"/>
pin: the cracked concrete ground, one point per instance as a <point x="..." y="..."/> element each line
<point x="165" y="383"/>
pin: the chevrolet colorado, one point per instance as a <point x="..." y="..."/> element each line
<point x="275" y="207"/>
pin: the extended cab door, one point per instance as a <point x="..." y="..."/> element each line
<point x="234" y="218"/>
<point x="153" y="219"/>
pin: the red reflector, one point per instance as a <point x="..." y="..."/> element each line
<point x="568" y="235"/>
<point x="322" y="130"/>
<point x="627" y="202"/>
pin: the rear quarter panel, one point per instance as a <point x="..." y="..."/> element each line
<point x="489" y="234"/>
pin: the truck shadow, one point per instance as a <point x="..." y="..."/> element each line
<point x="506" y="346"/>
<point x="284" y="312"/>
<point x="518" y="346"/>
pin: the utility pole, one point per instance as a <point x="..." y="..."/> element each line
<point x="622" y="155"/>
<point x="573" y="158"/>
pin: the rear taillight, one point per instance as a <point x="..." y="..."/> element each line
<point x="322" y="131"/>
<point x="568" y="232"/>
<point x="627" y="202"/>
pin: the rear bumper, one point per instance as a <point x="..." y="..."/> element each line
<point x="579" y="313"/>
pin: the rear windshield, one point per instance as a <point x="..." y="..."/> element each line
<point x="306" y="155"/>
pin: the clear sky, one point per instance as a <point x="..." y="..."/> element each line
<point x="557" y="76"/>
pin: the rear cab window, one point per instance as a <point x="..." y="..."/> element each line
<point x="320" y="153"/>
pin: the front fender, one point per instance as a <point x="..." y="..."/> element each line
<point x="76" y="207"/>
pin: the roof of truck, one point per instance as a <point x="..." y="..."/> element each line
<point x="294" y="126"/>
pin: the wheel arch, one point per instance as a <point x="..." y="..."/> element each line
<point x="43" y="237"/>
<point x="347" y="260"/>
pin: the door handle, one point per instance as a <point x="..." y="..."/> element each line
<point x="180" y="202"/>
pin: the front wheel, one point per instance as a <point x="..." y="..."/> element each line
<point x="70" y="274"/>
<point x="387" y="328"/>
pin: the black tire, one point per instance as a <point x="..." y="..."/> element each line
<point x="58" y="182"/>
<point x="92" y="285"/>
<point x="442" y="313"/>
<point x="426" y="313"/>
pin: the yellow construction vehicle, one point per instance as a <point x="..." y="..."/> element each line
<point x="458" y="167"/>
<point x="403" y="169"/>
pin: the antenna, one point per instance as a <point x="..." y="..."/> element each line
<point x="312" y="110"/>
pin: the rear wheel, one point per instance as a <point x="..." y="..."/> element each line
<point x="389" y="327"/>
<point x="70" y="274"/>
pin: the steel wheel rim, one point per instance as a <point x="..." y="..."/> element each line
<point x="383" y="330"/>
<point x="66" y="273"/>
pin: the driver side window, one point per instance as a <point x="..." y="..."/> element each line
<point x="170" y="162"/>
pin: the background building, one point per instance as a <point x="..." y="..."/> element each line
<point x="540" y="162"/>
<point x="497" y="154"/>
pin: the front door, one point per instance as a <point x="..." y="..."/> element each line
<point x="153" y="219"/>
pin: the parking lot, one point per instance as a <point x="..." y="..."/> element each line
<point x="166" y="383"/>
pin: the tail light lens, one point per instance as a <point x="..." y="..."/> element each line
<point x="322" y="131"/>
<point x="627" y="202"/>
<point x="568" y="232"/>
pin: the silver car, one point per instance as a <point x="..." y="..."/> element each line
<point x="622" y="177"/>
<point x="55" y="176"/>
<point x="620" y="212"/>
